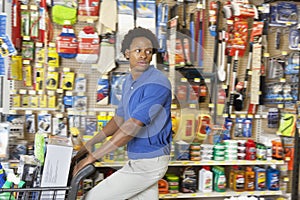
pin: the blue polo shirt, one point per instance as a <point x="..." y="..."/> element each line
<point x="148" y="99"/>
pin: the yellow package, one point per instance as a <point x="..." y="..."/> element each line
<point x="68" y="80"/>
<point x="16" y="68"/>
<point x="53" y="57"/>
<point x="34" y="101"/>
<point x="43" y="101"/>
<point x="27" y="75"/>
<point x="39" y="78"/>
<point x="25" y="100"/>
<point x="52" y="81"/>
<point x="16" y="100"/>
<point x="51" y="101"/>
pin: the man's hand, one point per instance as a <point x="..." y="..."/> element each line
<point x="83" y="163"/>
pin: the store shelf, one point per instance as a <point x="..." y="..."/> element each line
<point x="219" y="194"/>
<point x="202" y="163"/>
<point x="33" y="109"/>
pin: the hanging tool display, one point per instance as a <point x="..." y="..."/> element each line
<point x="185" y="37"/>
<point x="16" y="24"/>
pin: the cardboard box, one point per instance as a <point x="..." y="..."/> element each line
<point x="57" y="166"/>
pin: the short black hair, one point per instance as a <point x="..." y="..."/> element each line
<point x="139" y="32"/>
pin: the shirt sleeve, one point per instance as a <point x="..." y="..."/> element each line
<point x="156" y="99"/>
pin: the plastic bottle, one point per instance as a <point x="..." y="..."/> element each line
<point x="88" y="46"/>
<point x="231" y="175"/>
<point x="239" y="180"/>
<point x="268" y="145"/>
<point x="273" y="177"/>
<point x="66" y="43"/>
<point x="249" y="179"/>
<point x="205" y="179"/>
<point x="260" y="178"/>
<point x="219" y="179"/>
<point x="250" y="150"/>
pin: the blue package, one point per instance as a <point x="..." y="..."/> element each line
<point x="247" y="127"/>
<point x="117" y="81"/>
<point x="3" y="17"/>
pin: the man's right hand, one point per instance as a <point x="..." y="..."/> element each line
<point x="80" y="154"/>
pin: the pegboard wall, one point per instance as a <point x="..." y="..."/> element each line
<point x="92" y="74"/>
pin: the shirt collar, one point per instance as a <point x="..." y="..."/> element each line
<point x="144" y="75"/>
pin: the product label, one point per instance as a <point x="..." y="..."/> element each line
<point x="88" y="8"/>
<point x="67" y="45"/>
<point x="88" y="46"/>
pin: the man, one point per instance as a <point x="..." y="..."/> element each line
<point x="142" y="122"/>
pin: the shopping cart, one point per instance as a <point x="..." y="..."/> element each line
<point x="49" y="193"/>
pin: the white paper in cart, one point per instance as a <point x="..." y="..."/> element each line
<point x="57" y="166"/>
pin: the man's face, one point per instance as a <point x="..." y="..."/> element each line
<point x="140" y="54"/>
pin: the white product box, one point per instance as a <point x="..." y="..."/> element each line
<point x="57" y="166"/>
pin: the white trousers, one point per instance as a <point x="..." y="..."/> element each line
<point x="136" y="180"/>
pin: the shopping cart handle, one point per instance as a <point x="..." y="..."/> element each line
<point x="82" y="174"/>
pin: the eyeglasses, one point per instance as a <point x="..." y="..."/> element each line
<point x="147" y="52"/>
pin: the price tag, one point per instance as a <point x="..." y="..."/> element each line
<point x="12" y="112"/>
<point x="282" y="80"/>
<point x="250" y="116"/>
<point x="26" y="38"/>
<point x="26" y="62"/>
<point x="199" y="6"/>
<point x="90" y="21"/>
<point x="288" y="23"/>
<point x="60" y="91"/>
<point x="280" y="106"/>
<point x="233" y="115"/>
<point x="266" y="55"/>
<point x="32" y="92"/>
<point x="80" y="94"/>
<point x="174" y="106"/>
<point x="59" y="115"/>
<point x="207" y="80"/>
<point x="192" y="105"/>
<point x="28" y="112"/>
<point x="249" y="72"/>
<point x="69" y="93"/>
<point x="38" y="65"/>
<point x="24" y="7"/>
<point x="264" y="116"/>
<point x="260" y="8"/>
<point x="243" y="116"/>
<point x="70" y="112"/>
<point x="211" y="105"/>
<point x="225" y="115"/>
<point x="33" y="7"/>
<point x="257" y="116"/>
<point x="183" y="80"/>
<point x="51" y="93"/>
<point x="83" y="113"/>
<point x="287" y="158"/>
<point x="52" y="44"/>
<point x="39" y="44"/>
<point x="284" y="53"/>
<point x="286" y="179"/>
<point x="197" y="80"/>
<point x="224" y="87"/>
<point x="229" y="21"/>
<point x="22" y="91"/>
<point x="65" y="69"/>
